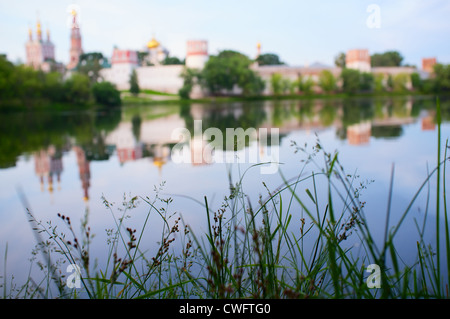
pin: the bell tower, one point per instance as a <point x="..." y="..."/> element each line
<point x="197" y="54"/>
<point x="75" y="42"/>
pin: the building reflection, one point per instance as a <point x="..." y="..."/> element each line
<point x="428" y="123"/>
<point x="153" y="140"/>
<point x="359" y="134"/>
<point x="201" y="152"/>
<point x="84" y="170"/>
<point x="161" y="155"/>
<point x="56" y="168"/>
<point x="129" y="154"/>
<point x="145" y="139"/>
<point x="48" y="167"/>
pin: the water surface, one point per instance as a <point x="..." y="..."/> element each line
<point x="67" y="162"/>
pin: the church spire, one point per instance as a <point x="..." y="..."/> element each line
<point x="74" y="19"/>
<point x="39" y="30"/>
<point x="75" y="40"/>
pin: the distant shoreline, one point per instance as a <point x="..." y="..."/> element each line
<point x="224" y="99"/>
<point x="42" y="104"/>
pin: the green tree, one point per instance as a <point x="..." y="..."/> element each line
<point x="28" y="83"/>
<point x="339" y="60"/>
<point x="269" y="59"/>
<point x="286" y="86"/>
<point x="190" y="78"/>
<point x="416" y="81"/>
<point x="388" y="58"/>
<point x="350" y="80"/>
<point x="366" y="82"/>
<point x="105" y="93"/>
<point x="378" y="83"/>
<point x="390" y="82"/>
<point x="54" y="87"/>
<point x="251" y="83"/>
<point x="327" y="81"/>
<point x="134" y="83"/>
<point x="428" y="86"/>
<point x="184" y="92"/>
<point x="293" y="87"/>
<point x="400" y="82"/>
<point x="142" y="56"/>
<point x="90" y="65"/>
<point x="354" y="81"/>
<point x="77" y="89"/>
<point x="275" y="83"/>
<point x="280" y="85"/>
<point x="172" y="60"/>
<point x="227" y="70"/>
<point x="442" y="77"/>
<point x="7" y="87"/>
<point x="305" y="85"/>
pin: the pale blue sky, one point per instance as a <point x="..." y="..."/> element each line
<point x="300" y="32"/>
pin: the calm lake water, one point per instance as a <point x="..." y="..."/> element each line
<point x="66" y="162"/>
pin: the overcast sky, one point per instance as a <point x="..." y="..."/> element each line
<point x="300" y="32"/>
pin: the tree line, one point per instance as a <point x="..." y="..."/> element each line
<point x="351" y="81"/>
<point x="230" y="73"/>
<point x="225" y="74"/>
<point x="388" y="58"/>
<point x="21" y="84"/>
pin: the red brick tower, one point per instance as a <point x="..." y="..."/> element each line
<point x="75" y="42"/>
<point x="428" y="64"/>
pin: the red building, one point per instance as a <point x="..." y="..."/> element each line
<point x="428" y="64"/>
<point x="124" y="56"/>
<point x="76" y="48"/>
<point x="358" y="59"/>
<point x="196" y="54"/>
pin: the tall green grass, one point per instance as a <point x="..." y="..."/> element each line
<point x="308" y="238"/>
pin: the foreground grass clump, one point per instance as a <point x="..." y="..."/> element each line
<point x="297" y="242"/>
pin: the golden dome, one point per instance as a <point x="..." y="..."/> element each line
<point x="153" y="44"/>
<point x="38" y="27"/>
<point x="158" y="162"/>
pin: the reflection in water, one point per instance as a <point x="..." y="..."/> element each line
<point x="428" y="123"/>
<point x="130" y="148"/>
<point x="84" y="170"/>
<point x="161" y="154"/>
<point x="129" y="154"/>
<point x="359" y="134"/>
<point x="201" y="151"/>
<point x="135" y="134"/>
<point x="48" y="164"/>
